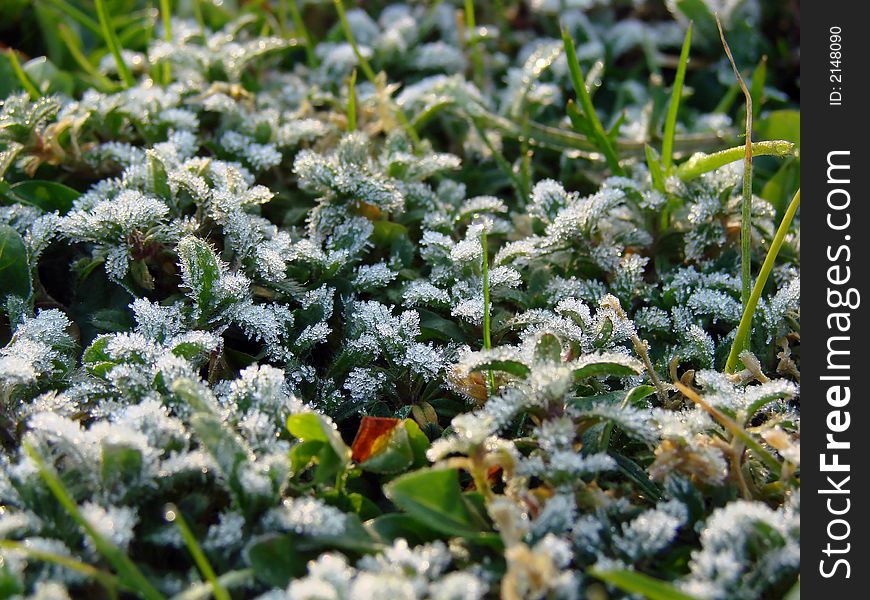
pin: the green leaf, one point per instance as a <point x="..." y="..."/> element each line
<point x="120" y="463"/>
<point x="634" y="582"/>
<point x="311" y="426"/>
<point x="548" y="348"/>
<point x="419" y="443"/>
<point x="434" y="326"/>
<point x="222" y="443"/>
<point x="14" y="268"/>
<point x="656" y="170"/>
<point x="514" y="367"/>
<point x="780" y="125"/>
<point x="756" y="87"/>
<point x="303" y="453"/>
<point x="605" y="369"/>
<point x="276" y="559"/>
<point x="392" y="526"/>
<point x="201" y="272"/>
<point x="433" y="497"/>
<point x="158" y="180"/>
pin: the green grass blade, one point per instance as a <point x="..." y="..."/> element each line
<point x="72" y="45"/>
<point x="351" y="102"/>
<point x="476" y="59"/>
<point x="756" y="86"/>
<point x="112" y="43"/>
<point x="173" y="515"/>
<point x="597" y="129"/>
<point x="166" y="16"/>
<point x="107" y="580"/>
<point x="674" y="106"/>
<point x="741" y="340"/>
<point x="76" y="15"/>
<point x="128" y="572"/>
<point x="634" y="582"/>
<point x="23" y="78"/>
<point x="701" y="163"/>
<point x="301" y="29"/>
<point x="348" y="34"/>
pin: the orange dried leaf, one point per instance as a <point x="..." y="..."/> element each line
<point x="373" y="433"/>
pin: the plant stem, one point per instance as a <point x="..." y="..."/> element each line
<point x="23" y="78"/>
<point x="476" y="60"/>
<point x="84" y="64"/>
<point x="734" y="428"/>
<point x="301" y="29"/>
<point x="746" y="209"/>
<point x="602" y="141"/>
<point x="129" y="573"/>
<point x="351" y="102"/>
<point x="111" y="40"/>
<point x="743" y="329"/>
<point x="166" y="16"/>
<point x="107" y="580"/>
<point x="370" y="73"/>
<point x="701" y="163"/>
<point x="173" y="514"/>
<point x="674" y="106"/>
<point x="76" y="15"/>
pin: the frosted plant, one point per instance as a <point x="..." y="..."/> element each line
<point x="405" y="335"/>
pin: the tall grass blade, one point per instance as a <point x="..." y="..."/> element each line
<point x="128" y="572"/>
<point x="113" y="44"/>
<point x="596" y="129"/>
<point x="741" y="340"/>
<point x="173" y="515"/>
<point x="674" y="106"/>
<point x="25" y="81"/>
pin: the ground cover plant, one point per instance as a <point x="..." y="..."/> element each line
<point x="449" y="300"/>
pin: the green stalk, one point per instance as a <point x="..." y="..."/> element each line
<point x="301" y="29"/>
<point x="351" y="102"/>
<point x="597" y="132"/>
<point x="76" y="15"/>
<point x="701" y="163"/>
<point x="166" y="15"/>
<point x="476" y="60"/>
<point x="370" y="73"/>
<point x="487" y="339"/>
<point x="740" y="342"/>
<point x="173" y="515"/>
<point x="127" y="570"/>
<point x="23" y="79"/>
<point x="674" y="107"/>
<point x="746" y="208"/>
<point x="107" y="580"/>
<point x="114" y="46"/>
<point x="197" y="15"/>
<point x="348" y="34"/>
<point x="72" y="46"/>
